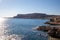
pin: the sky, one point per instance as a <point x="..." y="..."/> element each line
<point x="9" y="8"/>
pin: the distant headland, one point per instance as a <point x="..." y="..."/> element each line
<point x="34" y="16"/>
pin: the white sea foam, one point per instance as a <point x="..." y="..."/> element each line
<point x="10" y="37"/>
<point x="35" y="28"/>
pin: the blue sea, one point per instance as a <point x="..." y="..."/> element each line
<point x="21" y="29"/>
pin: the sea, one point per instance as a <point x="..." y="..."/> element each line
<point x="21" y="29"/>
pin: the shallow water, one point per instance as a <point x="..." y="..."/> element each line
<point x="21" y="29"/>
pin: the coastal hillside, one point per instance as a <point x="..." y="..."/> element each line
<point x="33" y="16"/>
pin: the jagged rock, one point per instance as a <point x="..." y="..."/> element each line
<point x="54" y="32"/>
<point x="44" y="28"/>
<point x="53" y="23"/>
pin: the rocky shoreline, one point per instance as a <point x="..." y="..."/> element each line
<point x="53" y="31"/>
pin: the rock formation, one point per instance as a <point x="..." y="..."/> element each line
<point x="53" y="31"/>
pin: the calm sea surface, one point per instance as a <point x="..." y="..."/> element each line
<point x="21" y="29"/>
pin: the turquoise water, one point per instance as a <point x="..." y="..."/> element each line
<point x="21" y="29"/>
